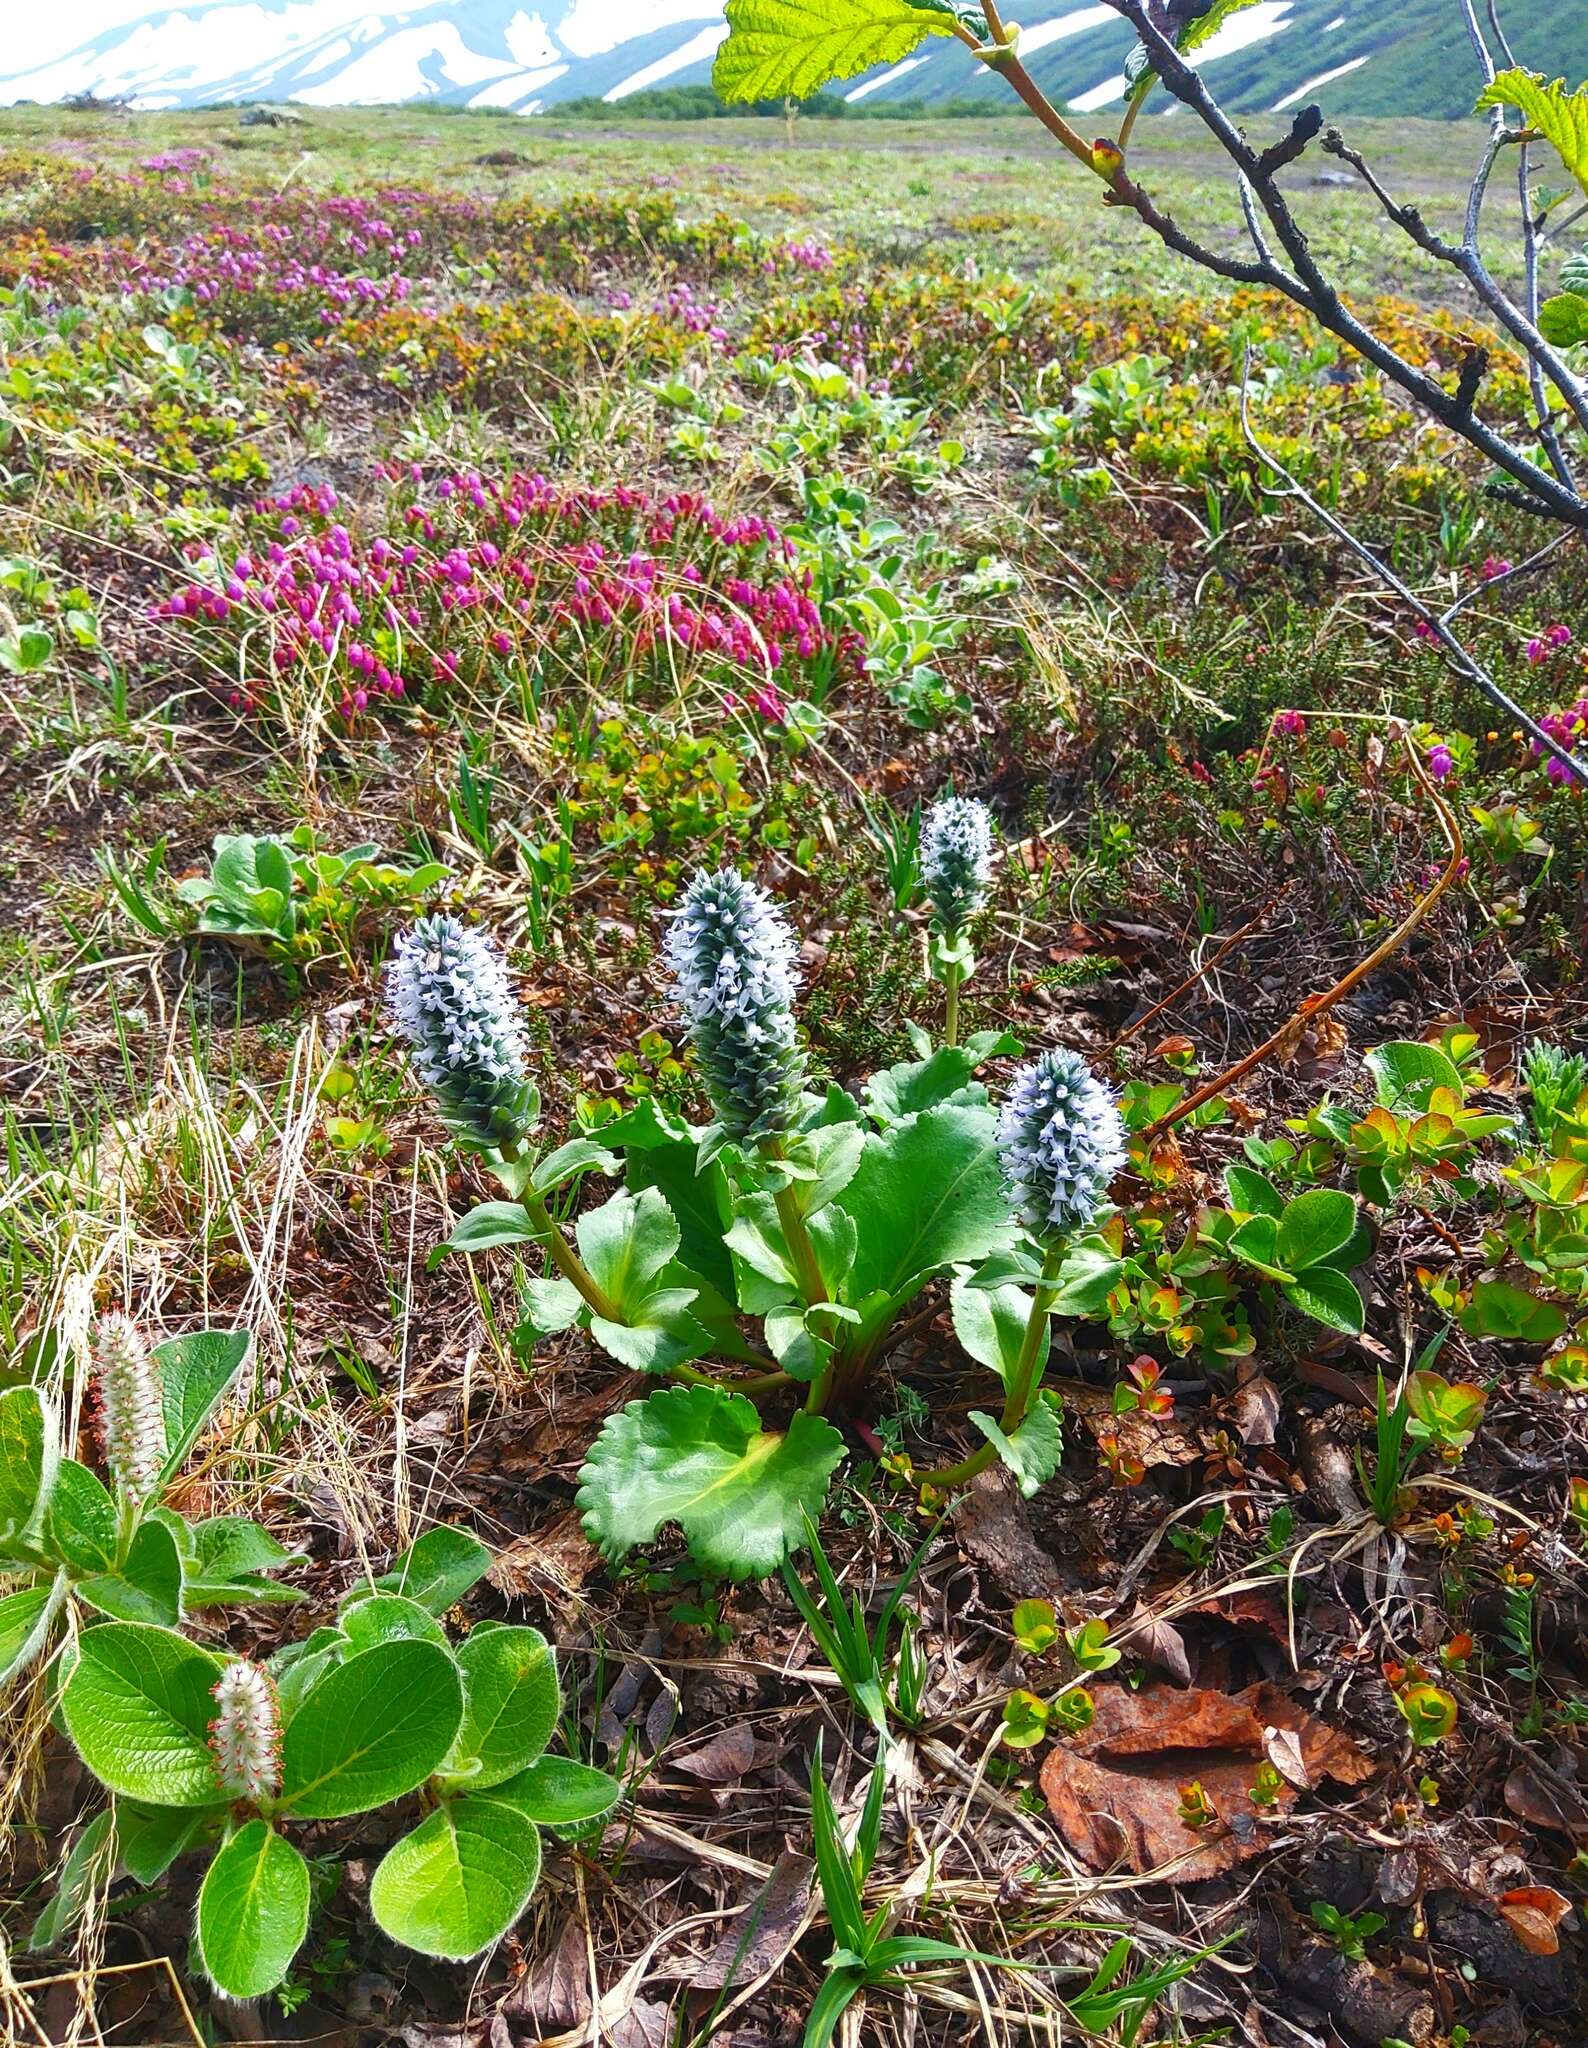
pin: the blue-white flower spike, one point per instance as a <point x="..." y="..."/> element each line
<point x="732" y="956"/>
<point x="448" y="992"/>
<point x="131" y="1410"/>
<point x="1060" y="1142"/>
<point x="245" y="1735"/>
<point x="956" y="859"/>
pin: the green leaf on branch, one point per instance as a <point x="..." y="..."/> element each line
<point x="1561" y="117"/>
<point x="510" y="1705"/>
<point x="1563" y="319"/>
<point x="75" y="1884"/>
<point x="151" y="1838"/>
<point x="699" y="1457"/>
<point x="80" y="1528"/>
<point x="1315" y="1227"/>
<point x="438" y="1569"/>
<point x="148" y="1587"/>
<point x="459" y="1880"/>
<point x="790" y="49"/>
<point x="1497" y="1309"/>
<point x="1406" y="1073"/>
<point x="1033" y="1451"/>
<point x="26" y="1619"/>
<point x="377" y="1618"/>
<point x="559" y="1793"/>
<point x="29" y="1455"/>
<point x="253" y="1911"/>
<point x="1088" y="1274"/>
<point x="1329" y="1297"/>
<point x="370" y="1730"/>
<point x="138" y="1707"/>
<point x="1139" y="73"/>
<point x="230" y="1559"/>
<point x="549" y="1305"/>
<point x="196" y="1371"/>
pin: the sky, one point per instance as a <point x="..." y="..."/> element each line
<point x="39" y="35"/>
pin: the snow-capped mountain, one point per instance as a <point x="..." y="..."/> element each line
<point x="1354" y="56"/>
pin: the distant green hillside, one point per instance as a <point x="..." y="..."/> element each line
<point x="1387" y="56"/>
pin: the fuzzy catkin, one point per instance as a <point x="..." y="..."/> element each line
<point x="131" y="1410"/>
<point x="732" y="956"/>
<point x="448" y="991"/>
<point x="1060" y="1142"/>
<point x="245" y="1735"/>
<point x="956" y="859"/>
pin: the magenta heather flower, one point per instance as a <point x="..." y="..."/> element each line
<point x="245" y="1735"/>
<point x="1495" y="566"/>
<point x="131" y="1411"/>
<point x="1441" y="762"/>
<point x="1290" y="723"/>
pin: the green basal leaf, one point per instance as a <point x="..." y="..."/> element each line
<point x="138" y="1707"/>
<point x="80" y="1528"/>
<point x="438" y="1569"/>
<point x="230" y="1557"/>
<point x="253" y="1911"/>
<point x="148" y="1587"/>
<point x="1033" y="1451"/>
<point x="458" y="1882"/>
<point x="559" y="1793"/>
<point x="1325" y="1294"/>
<point x="1251" y="1193"/>
<point x="779" y="49"/>
<point x="196" y="1371"/>
<point x="698" y="1196"/>
<point x="89" y="1859"/>
<point x="29" y="1456"/>
<point x="387" y="1618"/>
<point x="370" y="1730"/>
<point x="659" y="1335"/>
<point x="914" y="1085"/>
<point x="510" y="1705"/>
<point x="699" y="1457"/>
<point x="26" y="1619"/>
<point x="990" y="1323"/>
<point x="1561" y="117"/>
<point x="927" y="1194"/>
<point x="151" y="1838"/>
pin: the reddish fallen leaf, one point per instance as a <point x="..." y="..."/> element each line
<point x="1159" y="1643"/>
<point x="1254" y="1409"/>
<point x="1153" y="1439"/>
<point x="1533" y="1912"/>
<point x="1115" y="1789"/>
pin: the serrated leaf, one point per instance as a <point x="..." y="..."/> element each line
<point x="196" y="1372"/>
<point x="559" y="1793"/>
<point x="659" y="1334"/>
<point x="928" y="1193"/>
<point x="1088" y="1274"/>
<point x="459" y="1880"/>
<point x="699" y="1457"/>
<point x="138" y="1707"/>
<point x="1563" y="319"/>
<point x="510" y="1705"/>
<point x="1033" y="1451"/>
<point x="438" y="1569"/>
<point x="253" y="1911"/>
<point x="626" y="1243"/>
<point x="370" y="1730"/>
<point x="914" y="1085"/>
<point x="1561" y="117"/>
<point x="780" y="49"/>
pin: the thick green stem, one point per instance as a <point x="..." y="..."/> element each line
<point x="807" y="1272"/>
<point x="567" y="1260"/>
<point x="1021" y="1392"/>
<point x="951" y="982"/>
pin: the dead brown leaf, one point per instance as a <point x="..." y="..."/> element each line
<point x="1533" y="1912"/>
<point x="1159" y="1643"/>
<point x="727" y="1757"/>
<point x="1546" y="1803"/>
<point x="757" y="1939"/>
<point x="1254" y="1408"/>
<point x="1115" y="1788"/>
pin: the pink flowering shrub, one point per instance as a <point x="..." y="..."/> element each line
<point x="464" y="582"/>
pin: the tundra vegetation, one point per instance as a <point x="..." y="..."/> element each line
<point x="796" y="1067"/>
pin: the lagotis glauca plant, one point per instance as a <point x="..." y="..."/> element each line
<point x="956" y="869"/>
<point x="814" y="1219"/>
<point x="205" y="1751"/>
